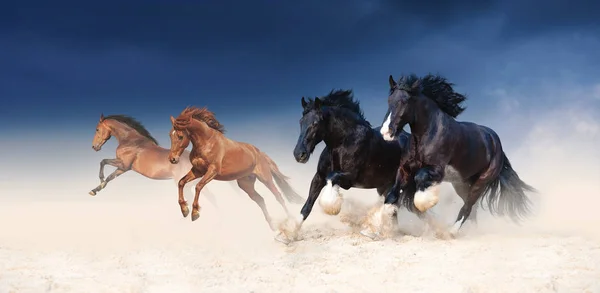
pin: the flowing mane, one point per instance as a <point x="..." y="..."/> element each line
<point x="438" y="89"/>
<point x="340" y="99"/>
<point x="133" y="123"/>
<point x="204" y="115"/>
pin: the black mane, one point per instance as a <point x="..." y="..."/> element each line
<point x="438" y="89"/>
<point x="343" y="99"/>
<point x="133" y="123"/>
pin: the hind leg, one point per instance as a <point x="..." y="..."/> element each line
<point x="271" y="186"/>
<point x="268" y="182"/>
<point x="475" y="192"/>
<point x="247" y="185"/>
<point x="462" y="189"/>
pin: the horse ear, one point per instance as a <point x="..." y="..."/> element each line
<point x="101" y="117"/>
<point x="392" y="82"/>
<point x="172" y="120"/>
<point x="304" y="103"/>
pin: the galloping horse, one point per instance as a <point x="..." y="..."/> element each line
<point x="355" y="154"/>
<point x="214" y="156"/>
<point x="137" y="151"/>
<point x="429" y="106"/>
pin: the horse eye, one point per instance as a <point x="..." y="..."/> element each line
<point x="180" y="137"/>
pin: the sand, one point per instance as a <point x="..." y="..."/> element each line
<point x="123" y="242"/>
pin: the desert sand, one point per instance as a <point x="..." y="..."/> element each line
<point x="131" y="237"/>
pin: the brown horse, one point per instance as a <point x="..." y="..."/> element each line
<point x="137" y="151"/>
<point x="217" y="157"/>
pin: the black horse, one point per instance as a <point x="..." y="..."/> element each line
<point x="429" y="106"/>
<point x="355" y="153"/>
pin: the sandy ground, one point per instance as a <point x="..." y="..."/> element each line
<point x="118" y="242"/>
<point x="131" y="237"/>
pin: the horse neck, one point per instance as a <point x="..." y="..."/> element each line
<point x="340" y="125"/>
<point x="123" y="133"/>
<point x="425" y="117"/>
<point x="199" y="133"/>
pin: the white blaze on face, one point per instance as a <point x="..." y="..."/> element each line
<point x="385" y="128"/>
<point x="426" y="199"/>
<point x="331" y="199"/>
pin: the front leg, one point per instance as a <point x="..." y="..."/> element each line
<point x="427" y="180"/>
<point x="117" y="163"/>
<point x="331" y="199"/>
<point x="112" y="176"/>
<point x="211" y="173"/>
<point x="112" y="162"/>
<point x="384" y="217"/>
<point x="190" y="176"/>
<point x="288" y="231"/>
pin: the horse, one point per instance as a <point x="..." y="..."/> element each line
<point x="216" y="157"/>
<point x="355" y="154"/>
<point x="429" y="105"/>
<point x="137" y="151"/>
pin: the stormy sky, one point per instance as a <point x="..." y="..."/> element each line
<point x="62" y="63"/>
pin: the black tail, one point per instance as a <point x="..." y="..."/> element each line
<point x="281" y="181"/>
<point x="506" y="194"/>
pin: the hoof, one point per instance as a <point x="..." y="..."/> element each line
<point x="369" y="234"/>
<point x="185" y="211"/>
<point x="92" y="193"/>
<point x="195" y="216"/>
<point x="280" y="237"/>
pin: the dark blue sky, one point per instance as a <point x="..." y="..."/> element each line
<point x="64" y="62"/>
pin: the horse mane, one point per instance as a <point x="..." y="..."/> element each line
<point x="204" y="115"/>
<point x="133" y="123"/>
<point x="438" y="89"/>
<point x="343" y="99"/>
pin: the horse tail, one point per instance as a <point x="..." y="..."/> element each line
<point x="282" y="182"/>
<point x="506" y="193"/>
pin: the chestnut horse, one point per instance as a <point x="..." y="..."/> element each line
<point x="137" y="151"/>
<point x="214" y="156"/>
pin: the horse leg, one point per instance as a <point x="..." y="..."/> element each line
<point x="462" y="189"/>
<point x="210" y="174"/>
<point x="289" y="230"/>
<point x="271" y="186"/>
<point x="427" y="180"/>
<point x="386" y="215"/>
<point x="383" y="191"/>
<point x="110" y="177"/>
<point x="112" y="162"/>
<point x="190" y="176"/>
<point x="247" y="185"/>
<point x="117" y="163"/>
<point x="475" y="192"/>
<point x="331" y="199"/>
